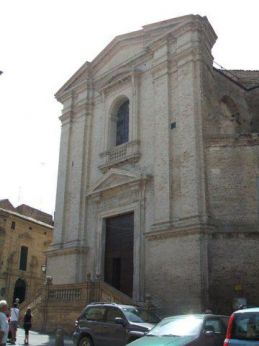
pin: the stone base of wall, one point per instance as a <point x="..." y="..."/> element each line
<point x="176" y="271"/>
<point x="58" y="306"/>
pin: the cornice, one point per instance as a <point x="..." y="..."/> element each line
<point x="66" y="88"/>
<point x="67" y="251"/>
<point x="164" y="39"/>
<point x="76" y="111"/>
<point x="122" y="79"/>
<point x="194" y="24"/>
<point x="127" y="66"/>
<point x="169" y="231"/>
<point x="85" y="85"/>
<point x="115" y="46"/>
<point x="66" y="117"/>
<point x="84" y="107"/>
<point x="160" y="69"/>
<point x="237" y="140"/>
<point x="208" y="31"/>
<point x="189" y="54"/>
<point x="176" y="27"/>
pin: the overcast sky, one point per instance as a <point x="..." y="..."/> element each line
<point x="43" y="42"/>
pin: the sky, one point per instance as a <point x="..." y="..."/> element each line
<point x="44" y="42"/>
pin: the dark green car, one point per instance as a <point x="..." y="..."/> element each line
<point x="186" y="330"/>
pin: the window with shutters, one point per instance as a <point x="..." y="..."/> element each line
<point x="23" y="258"/>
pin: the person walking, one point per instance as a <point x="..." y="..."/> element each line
<point x="27" y="320"/>
<point x="3" y="322"/>
<point x="14" y="319"/>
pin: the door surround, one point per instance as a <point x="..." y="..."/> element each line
<point x="138" y="265"/>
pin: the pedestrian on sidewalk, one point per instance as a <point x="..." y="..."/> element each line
<point x="27" y="321"/>
<point x="14" y="320"/>
<point x="3" y="322"/>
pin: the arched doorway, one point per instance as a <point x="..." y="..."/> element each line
<point x="19" y="290"/>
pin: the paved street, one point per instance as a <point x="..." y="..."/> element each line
<point x="39" y="339"/>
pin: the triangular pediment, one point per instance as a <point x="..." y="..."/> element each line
<point x="120" y="51"/>
<point x="114" y="178"/>
<point x="124" y="49"/>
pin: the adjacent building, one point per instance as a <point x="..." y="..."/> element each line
<point x="25" y="235"/>
<point x="158" y="185"/>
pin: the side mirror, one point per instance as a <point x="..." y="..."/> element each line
<point x="137" y="334"/>
<point x="209" y="332"/>
<point x="120" y="321"/>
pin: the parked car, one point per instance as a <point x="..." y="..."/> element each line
<point x="183" y="330"/>
<point x="243" y="328"/>
<point x="110" y="324"/>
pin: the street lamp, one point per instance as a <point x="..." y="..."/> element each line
<point x="43" y="268"/>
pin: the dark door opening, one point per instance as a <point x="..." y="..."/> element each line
<point x="19" y="290"/>
<point x="118" y="267"/>
<point x="116" y="272"/>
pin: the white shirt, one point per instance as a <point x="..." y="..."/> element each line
<point x="14" y="314"/>
<point x="4" y="327"/>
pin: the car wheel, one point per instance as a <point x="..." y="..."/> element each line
<point x="86" y="341"/>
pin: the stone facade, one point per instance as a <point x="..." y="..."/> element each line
<point x="21" y="274"/>
<point x="189" y="170"/>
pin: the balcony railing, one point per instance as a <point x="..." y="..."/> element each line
<point x="125" y="152"/>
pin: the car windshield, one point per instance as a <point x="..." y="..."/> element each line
<point x="136" y="315"/>
<point x="178" y="326"/>
<point x="246" y="326"/>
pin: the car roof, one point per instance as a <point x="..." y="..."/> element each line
<point x="122" y="306"/>
<point x="201" y="316"/>
<point x="247" y="310"/>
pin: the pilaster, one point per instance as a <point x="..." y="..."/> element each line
<point x="66" y="121"/>
<point x="160" y="73"/>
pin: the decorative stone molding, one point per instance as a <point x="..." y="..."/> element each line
<point x="178" y="232"/>
<point x="116" y="80"/>
<point x="115" y="178"/>
<point x="119" y="154"/>
<point x="66" y="251"/>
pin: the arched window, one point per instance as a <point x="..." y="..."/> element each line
<point x="230" y="122"/>
<point x="122" y="123"/>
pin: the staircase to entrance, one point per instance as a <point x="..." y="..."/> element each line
<point x="57" y="306"/>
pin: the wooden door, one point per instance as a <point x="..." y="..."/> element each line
<point x="118" y="267"/>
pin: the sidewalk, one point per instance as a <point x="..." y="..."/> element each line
<point x="39" y="339"/>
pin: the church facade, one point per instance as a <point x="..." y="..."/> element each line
<point x="158" y="184"/>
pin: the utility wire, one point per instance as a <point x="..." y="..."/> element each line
<point x="233" y="77"/>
